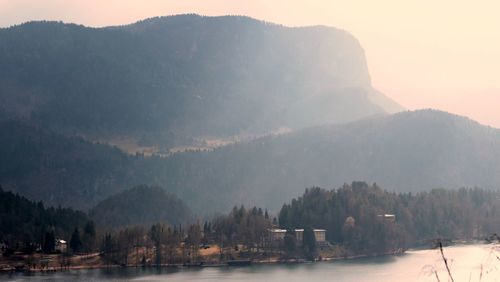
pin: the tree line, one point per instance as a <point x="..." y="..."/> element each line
<point x="358" y="219"/>
<point x="367" y="219"/>
<point x="29" y="226"/>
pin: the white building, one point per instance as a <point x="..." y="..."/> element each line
<point x="387" y="217"/>
<point x="320" y="235"/>
<point x="299" y="235"/>
<point x="276" y="234"/>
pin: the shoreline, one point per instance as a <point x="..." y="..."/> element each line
<point x="242" y="262"/>
<point x="201" y="264"/>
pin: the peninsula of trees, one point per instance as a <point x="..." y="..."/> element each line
<point x="359" y="219"/>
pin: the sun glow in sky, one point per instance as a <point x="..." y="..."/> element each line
<point x="424" y="54"/>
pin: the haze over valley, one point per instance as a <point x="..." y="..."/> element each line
<point x="191" y="140"/>
<point x="173" y="82"/>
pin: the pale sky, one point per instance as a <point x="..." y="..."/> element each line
<point x="442" y="54"/>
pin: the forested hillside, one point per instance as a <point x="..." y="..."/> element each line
<point x="354" y="215"/>
<point x="27" y="224"/>
<point x="142" y="205"/>
<point x="170" y="79"/>
<point x="59" y="170"/>
<point x="406" y="152"/>
<point x="410" y="152"/>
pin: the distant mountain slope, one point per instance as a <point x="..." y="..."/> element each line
<point x="409" y="151"/>
<point x="59" y="170"/>
<point x="183" y="76"/>
<point x="141" y="205"/>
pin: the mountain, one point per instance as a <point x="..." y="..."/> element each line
<point x="141" y="205"/>
<point x="407" y="152"/>
<point x="170" y="79"/>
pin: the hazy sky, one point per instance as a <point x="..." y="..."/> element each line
<point x="441" y="54"/>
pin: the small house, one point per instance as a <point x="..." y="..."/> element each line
<point x="61" y="246"/>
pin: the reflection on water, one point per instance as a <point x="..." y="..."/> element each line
<point x="467" y="263"/>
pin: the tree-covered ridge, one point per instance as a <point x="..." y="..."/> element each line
<point x="358" y="215"/>
<point x="27" y="225"/>
<point x="141" y="205"/>
<point x="407" y="152"/>
<point x="182" y="76"/>
<point x="59" y="170"/>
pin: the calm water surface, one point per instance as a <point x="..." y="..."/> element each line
<point x="467" y="262"/>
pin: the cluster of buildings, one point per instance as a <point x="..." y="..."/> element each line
<point x="276" y="234"/>
<point x="60" y="246"/>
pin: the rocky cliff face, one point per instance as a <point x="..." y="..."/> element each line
<point x="183" y="77"/>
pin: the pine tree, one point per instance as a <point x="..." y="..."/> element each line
<point x="89" y="234"/>
<point x="49" y="242"/>
<point x="75" y="242"/>
<point x="309" y="243"/>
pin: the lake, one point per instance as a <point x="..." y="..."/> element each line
<point x="467" y="263"/>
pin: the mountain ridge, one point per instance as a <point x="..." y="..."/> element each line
<point x="405" y="152"/>
<point x="182" y="77"/>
